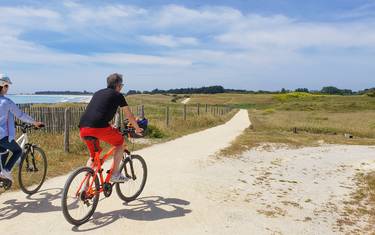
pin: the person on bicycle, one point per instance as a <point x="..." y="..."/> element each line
<point x="8" y="109"/>
<point x="95" y="122"/>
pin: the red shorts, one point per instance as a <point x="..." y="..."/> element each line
<point x="109" y="135"/>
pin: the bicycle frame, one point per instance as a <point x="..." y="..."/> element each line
<point x="22" y="141"/>
<point x="97" y="166"/>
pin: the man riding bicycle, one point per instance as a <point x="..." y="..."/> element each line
<point x="8" y="109"/>
<point x="95" y="122"/>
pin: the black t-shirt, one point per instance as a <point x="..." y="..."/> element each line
<point x="102" y="108"/>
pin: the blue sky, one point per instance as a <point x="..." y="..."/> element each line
<point x="268" y="44"/>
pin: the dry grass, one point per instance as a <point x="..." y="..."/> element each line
<point x="156" y="99"/>
<point x="360" y="210"/>
<point x="313" y="128"/>
<point x="359" y="123"/>
<point x="235" y="100"/>
<point x="178" y="127"/>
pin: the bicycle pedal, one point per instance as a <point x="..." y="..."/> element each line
<point x="87" y="203"/>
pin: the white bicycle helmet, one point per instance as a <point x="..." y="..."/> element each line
<point x="4" y="80"/>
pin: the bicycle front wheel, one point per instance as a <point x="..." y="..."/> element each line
<point x="80" y="196"/>
<point x="136" y="170"/>
<point x="32" y="170"/>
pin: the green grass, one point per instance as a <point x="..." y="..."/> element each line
<point x="289" y="102"/>
<point x="155" y="99"/>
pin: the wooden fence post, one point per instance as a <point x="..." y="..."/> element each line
<point x="167" y="116"/>
<point x="184" y="112"/>
<point x="66" y="129"/>
<point x="198" y="109"/>
<point x="206" y="108"/>
<point x="142" y="111"/>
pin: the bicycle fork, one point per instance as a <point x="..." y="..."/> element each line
<point x="128" y="159"/>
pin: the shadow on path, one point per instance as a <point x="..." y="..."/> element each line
<point x="145" y="209"/>
<point x="40" y="202"/>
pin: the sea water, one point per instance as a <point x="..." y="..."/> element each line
<point x="49" y="99"/>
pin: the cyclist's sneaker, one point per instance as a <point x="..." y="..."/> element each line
<point x="119" y="178"/>
<point x="6" y="174"/>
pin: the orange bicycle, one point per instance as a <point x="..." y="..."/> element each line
<point x="83" y="187"/>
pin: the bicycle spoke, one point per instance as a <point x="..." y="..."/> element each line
<point x="78" y="203"/>
<point x="129" y="190"/>
<point x="32" y="170"/>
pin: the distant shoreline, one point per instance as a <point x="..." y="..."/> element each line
<point x="49" y="98"/>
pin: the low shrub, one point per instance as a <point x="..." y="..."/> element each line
<point x="154" y="132"/>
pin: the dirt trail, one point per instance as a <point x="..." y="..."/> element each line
<point x="185" y="101"/>
<point x="175" y="201"/>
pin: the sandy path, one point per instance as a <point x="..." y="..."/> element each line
<point x="176" y="199"/>
<point x="185" y="101"/>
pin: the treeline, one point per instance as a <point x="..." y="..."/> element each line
<point x="329" y="90"/>
<point x="63" y="93"/>
<point x="202" y="90"/>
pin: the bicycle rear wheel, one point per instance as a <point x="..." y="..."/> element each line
<point x="32" y="170"/>
<point x="136" y="170"/>
<point x="79" y="201"/>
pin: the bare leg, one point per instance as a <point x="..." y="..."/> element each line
<point x="117" y="157"/>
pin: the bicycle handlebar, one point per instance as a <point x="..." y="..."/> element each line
<point x="129" y="130"/>
<point x="26" y="126"/>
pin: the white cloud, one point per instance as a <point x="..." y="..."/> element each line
<point x="200" y="44"/>
<point x="155" y="26"/>
<point x="103" y="15"/>
<point x="169" y="40"/>
<point x="125" y="58"/>
<point x="175" y="15"/>
<point x="30" y="18"/>
<point x="28" y="12"/>
<point x="28" y="53"/>
<point x="292" y="36"/>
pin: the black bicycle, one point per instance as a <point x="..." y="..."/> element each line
<point x="32" y="165"/>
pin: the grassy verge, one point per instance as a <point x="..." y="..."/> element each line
<point x="315" y="118"/>
<point x="290" y="101"/>
<point x="313" y="128"/>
